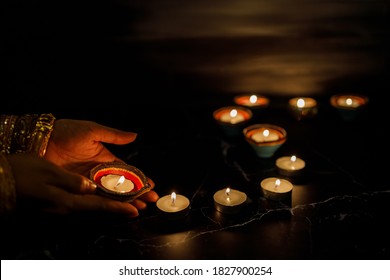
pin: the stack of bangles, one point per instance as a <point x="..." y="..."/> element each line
<point x="27" y="134"/>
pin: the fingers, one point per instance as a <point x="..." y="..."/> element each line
<point x="150" y="196"/>
<point x="73" y="183"/>
<point x="79" y="191"/>
<point x="95" y="203"/>
<point x="111" y="135"/>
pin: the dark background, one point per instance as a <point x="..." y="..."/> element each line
<point x="83" y="55"/>
<point x="160" y="68"/>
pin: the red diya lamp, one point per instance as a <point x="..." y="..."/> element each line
<point x="251" y="100"/>
<point x="232" y="119"/>
<point x="119" y="181"/>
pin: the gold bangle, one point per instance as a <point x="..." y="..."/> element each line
<point x="22" y="131"/>
<point x="7" y="126"/>
<point x="7" y="186"/>
<point x="39" y="138"/>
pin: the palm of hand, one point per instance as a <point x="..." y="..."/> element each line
<point x="76" y="146"/>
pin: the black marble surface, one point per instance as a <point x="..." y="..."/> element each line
<point x="339" y="207"/>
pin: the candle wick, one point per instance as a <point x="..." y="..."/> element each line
<point x="120" y="181"/>
<point x="227" y="192"/>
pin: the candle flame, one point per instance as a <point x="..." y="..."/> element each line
<point x="233" y="113"/>
<point x="253" y="99"/>
<point x="265" y="132"/>
<point x="173" y="198"/>
<point x="227" y="192"/>
<point x="348" y="101"/>
<point x="293" y="159"/>
<point x="300" y="103"/>
<point x="120" y="181"/>
<point x="277" y="183"/>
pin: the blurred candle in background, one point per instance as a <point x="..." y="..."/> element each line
<point x="232" y="119"/>
<point x="349" y="106"/>
<point x="303" y="107"/>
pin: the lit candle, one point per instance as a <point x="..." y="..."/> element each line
<point x="173" y="206"/>
<point x="290" y="166"/>
<point x="252" y="100"/>
<point x="348" y="105"/>
<point x="229" y="201"/>
<point x="232" y="119"/>
<point x="119" y="181"/>
<point x="265" y="139"/>
<point x="276" y="189"/>
<point x="303" y="107"/>
<point x="265" y="135"/>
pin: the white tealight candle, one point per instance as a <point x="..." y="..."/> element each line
<point x="276" y="189"/>
<point x="229" y="201"/>
<point x="290" y="166"/>
<point x="174" y="205"/>
<point x="267" y="135"/>
<point x="233" y="117"/>
<point x="117" y="183"/>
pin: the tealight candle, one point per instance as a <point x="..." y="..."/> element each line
<point x="276" y="189"/>
<point x="251" y="100"/>
<point x="173" y="206"/>
<point x="229" y="201"/>
<point x="303" y="107"/>
<point x="290" y="166"/>
<point x="119" y="181"/>
<point x="233" y="116"/>
<point x="265" y="135"/>
<point x="265" y="139"/>
<point x="348" y="105"/>
<point x="232" y="119"/>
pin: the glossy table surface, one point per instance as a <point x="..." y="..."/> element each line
<point x="338" y="210"/>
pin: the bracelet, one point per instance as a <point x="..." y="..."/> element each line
<point x="7" y="126"/>
<point x="40" y="136"/>
<point x="7" y="186"/>
<point x="26" y="133"/>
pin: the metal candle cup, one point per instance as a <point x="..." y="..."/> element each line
<point x="277" y="189"/>
<point x="290" y="166"/>
<point x="173" y="206"/>
<point x="229" y="201"/>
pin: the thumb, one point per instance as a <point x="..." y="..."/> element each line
<point x="113" y="135"/>
<point x="76" y="183"/>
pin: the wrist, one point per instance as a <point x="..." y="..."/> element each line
<point x="7" y="186"/>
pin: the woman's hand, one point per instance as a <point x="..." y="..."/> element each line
<point x="77" y="145"/>
<point x="46" y="186"/>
